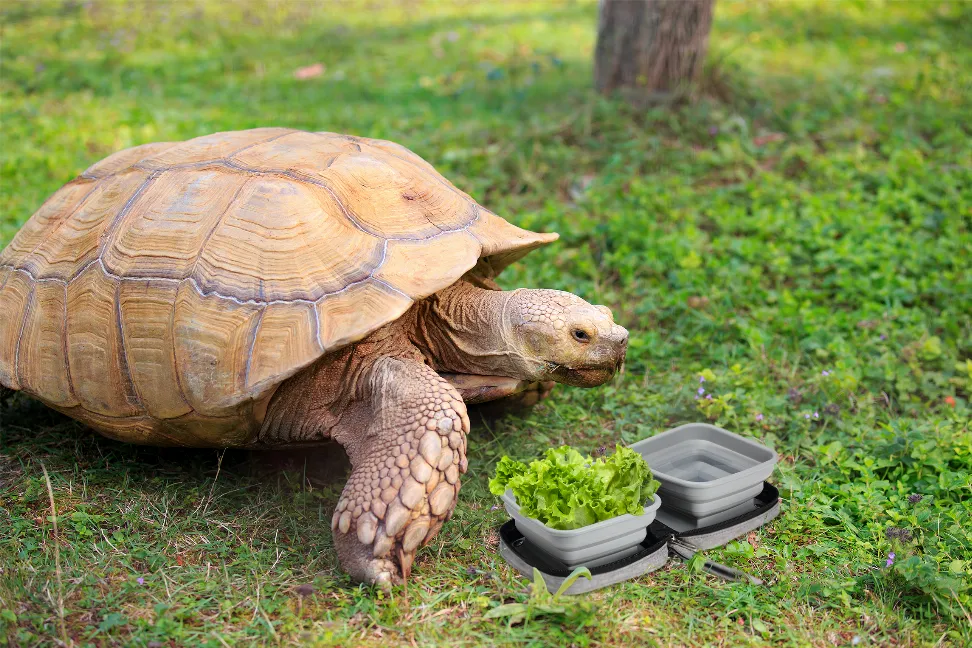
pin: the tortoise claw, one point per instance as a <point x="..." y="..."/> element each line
<point x="405" y="561"/>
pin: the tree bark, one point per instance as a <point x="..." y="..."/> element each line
<point x="652" y="47"/>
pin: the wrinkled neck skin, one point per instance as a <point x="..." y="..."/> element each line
<point x="466" y="329"/>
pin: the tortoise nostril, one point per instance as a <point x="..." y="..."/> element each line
<point x="623" y="341"/>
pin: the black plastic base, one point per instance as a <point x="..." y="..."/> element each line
<point x="547" y="564"/>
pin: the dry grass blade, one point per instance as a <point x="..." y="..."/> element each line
<point x="57" y="562"/>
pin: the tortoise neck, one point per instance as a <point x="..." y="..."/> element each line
<point x="464" y="329"/>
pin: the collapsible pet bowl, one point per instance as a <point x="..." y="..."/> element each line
<point x="713" y="490"/>
<point x="706" y="472"/>
<point x="661" y="542"/>
<point x="592" y="545"/>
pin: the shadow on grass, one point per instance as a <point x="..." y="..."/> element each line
<point x="31" y="432"/>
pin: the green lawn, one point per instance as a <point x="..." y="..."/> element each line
<point x="802" y="237"/>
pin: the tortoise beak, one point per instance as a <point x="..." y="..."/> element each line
<point x="606" y="360"/>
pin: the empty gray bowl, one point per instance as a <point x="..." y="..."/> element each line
<point x="592" y="545"/>
<point x="705" y="470"/>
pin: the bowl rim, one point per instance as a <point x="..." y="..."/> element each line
<point x="742" y="475"/>
<point x="510" y="500"/>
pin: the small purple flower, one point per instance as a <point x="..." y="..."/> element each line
<point x="701" y="379"/>
<point x="890" y="560"/>
<point x="884" y="337"/>
<point x="816" y="415"/>
<point x="824" y="373"/>
<point x="806" y="416"/>
<point x="713" y="130"/>
<point x="708" y="397"/>
<point x="494" y="507"/>
<point x="140" y="580"/>
<point x="759" y="416"/>
<point x="701" y="390"/>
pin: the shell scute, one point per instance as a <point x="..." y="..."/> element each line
<point x="55" y="210"/>
<point x="401" y="259"/>
<point x="349" y="315"/>
<point x="392" y="200"/>
<point x="280" y="241"/>
<point x="124" y="159"/>
<point x="210" y="148"/>
<point x="75" y="242"/>
<point x="170" y="223"/>
<point x="14" y="298"/>
<point x="211" y="338"/>
<point x="287" y="336"/>
<point x="96" y="353"/>
<point x="43" y="349"/>
<point x="147" y="310"/>
<point x="301" y="153"/>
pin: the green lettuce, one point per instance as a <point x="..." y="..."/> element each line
<point x="568" y="490"/>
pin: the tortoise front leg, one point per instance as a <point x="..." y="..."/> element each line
<point x="405" y="471"/>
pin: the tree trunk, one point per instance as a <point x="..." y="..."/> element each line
<point x="652" y="47"/>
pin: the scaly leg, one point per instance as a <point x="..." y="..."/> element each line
<point x="511" y="392"/>
<point x="530" y="396"/>
<point x="405" y="471"/>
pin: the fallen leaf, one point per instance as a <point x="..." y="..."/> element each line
<point x="309" y="72"/>
<point x="752" y="539"/>
<point x="762" y="140"/>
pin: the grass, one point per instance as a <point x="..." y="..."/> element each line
<point x="800" y="237"/>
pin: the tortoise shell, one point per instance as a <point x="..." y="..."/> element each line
<point x="182" y="281"/>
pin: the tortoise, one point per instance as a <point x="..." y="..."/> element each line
<point x="274" y="287"/>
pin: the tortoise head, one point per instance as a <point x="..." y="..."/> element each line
<point x="558" y="336"/>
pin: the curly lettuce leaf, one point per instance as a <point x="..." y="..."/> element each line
<point x="506" y="470"/>
<point x="569" y="490"/>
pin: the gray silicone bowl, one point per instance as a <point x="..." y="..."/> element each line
<point x="705" y="470"/>
<point x="591" y="546"/>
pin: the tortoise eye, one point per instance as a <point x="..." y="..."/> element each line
<point x="581" y="335"/>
